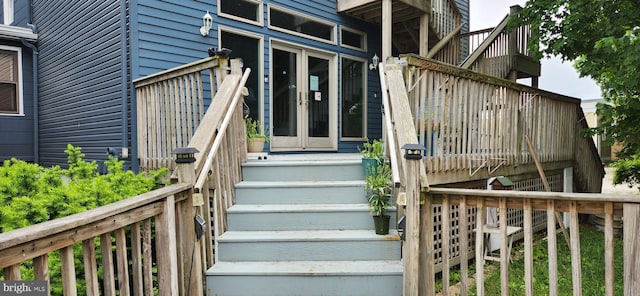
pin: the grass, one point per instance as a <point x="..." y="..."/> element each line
<point x="592" y="259"/>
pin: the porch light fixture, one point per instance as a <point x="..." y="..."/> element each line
<point x="207" y="20"/>
<point x="374" y="62"/>
<point x="412" y="151"/>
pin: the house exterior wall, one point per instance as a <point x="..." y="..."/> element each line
<point x="91" y="51"/>
<point x="81" y="77"/>
<point x="17" y="131"/>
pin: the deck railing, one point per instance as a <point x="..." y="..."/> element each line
<point x="170" y="106"/>
<point x="472" y="124"/>
<point x="470" y="200"/>
<point x="140" y="263"/>
<point x="493" y="51"/>
<point x="446" y="19"/>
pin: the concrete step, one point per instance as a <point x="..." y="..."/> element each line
<point x="303" y="170"/>
<point x="300" y="192"/>
<point x="305" y="278"/>
<point x="302" y="217"/>
<point x="316" y="245"/>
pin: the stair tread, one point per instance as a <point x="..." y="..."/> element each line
<point x="307" y="235"/>
<point x="289" y="184"/>
<point x="378" y="267"/>
<point x="289" y="208"/>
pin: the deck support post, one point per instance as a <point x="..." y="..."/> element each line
<point x="190" y="251"/>
<point x="413" y="156"/>
<point x="631" y="212"/>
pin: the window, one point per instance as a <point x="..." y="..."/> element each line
<point x="354" y="108"/>
<point x="243" y="10"/>
<point x="10" y="88"/>
<point x="301" y="25"/>
<point x="249" y="49"/>
<point x="353" y="39"/>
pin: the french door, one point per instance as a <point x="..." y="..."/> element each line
<point x="303" y="99"/>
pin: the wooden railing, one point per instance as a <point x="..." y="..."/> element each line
<point x="175" y="260"/>
<point x="170" y="106"/>
<point x="470" y="200"/>
<point x="446" y="20"/>
<point x="495" y="51"/>
<point x="140" y="263"/>
<point x="472" y="125"/>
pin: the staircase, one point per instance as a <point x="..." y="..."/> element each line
<point x="301" y="226"/>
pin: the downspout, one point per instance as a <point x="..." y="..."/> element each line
<point x="125" y="82"/>
<point x="34" y="64"/>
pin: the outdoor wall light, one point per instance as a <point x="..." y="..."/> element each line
<point x="207" y="21"/>
<point x="374" y="62"/>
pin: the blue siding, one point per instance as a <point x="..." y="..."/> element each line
<point x="16" y="132"/>
<point x="80" y="77"/>
<point x="20" y="13"/>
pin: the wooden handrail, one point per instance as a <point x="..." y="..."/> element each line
<point x="203" y="172"/>
<point x="391" y="143"/>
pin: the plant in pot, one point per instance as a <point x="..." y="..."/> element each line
<point x="372" y="156"/>
<point x="379" y="192"/>
<point x="255" y="137"/>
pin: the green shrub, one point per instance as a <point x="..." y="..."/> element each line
<point x="627" y="171"/>
<point x="31" y="194"/>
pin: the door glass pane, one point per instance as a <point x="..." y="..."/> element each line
<point x="285" y="112"/>
<point x="318" y="97"/>
<point x="353" y="109"/>
<point x="248" y="49"/>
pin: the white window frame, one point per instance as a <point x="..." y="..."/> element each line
<point x="259" y="22"/>
<point x="365" y="100"/>
<point x="259" y="72"/>
<point x="333" y="26"/>
<point x="7" y="12"/>
<point x="20" y="111"/>
<point x="354" y="31"/>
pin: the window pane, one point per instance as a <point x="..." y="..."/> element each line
<point x="300" y="24"/>
<point x="352" y="39"/>
<point x="7" y="66"/>
<point x="353" y="107"/>
<point x="8" y="98"/>
<point x="248" y="49"/>
<point x="241" y="8"/>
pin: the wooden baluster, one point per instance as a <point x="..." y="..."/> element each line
<point x="68" y="271"/>
<point x="576" y="266"/>
<point x="480" y="220"/>
<point x="90" y="267"/>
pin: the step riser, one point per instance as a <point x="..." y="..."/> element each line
<point x="303" y="221"/>
<point x="306" y="251"/>
<point x="303" y="172"/>
<point x="301" y="195"/>
<point x="307" y="285"/>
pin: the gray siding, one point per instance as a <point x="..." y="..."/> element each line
<point x="80" y="77"/>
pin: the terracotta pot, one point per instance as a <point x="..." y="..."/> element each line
<point x="255" y="145"/>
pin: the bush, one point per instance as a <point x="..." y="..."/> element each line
<point x="31" y="194"/>
<point x="627" y="171"/>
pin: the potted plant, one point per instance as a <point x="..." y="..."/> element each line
<point x="255" y="137"/>
<point x="372" y="156"/>
<point x="379" y="192"/>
